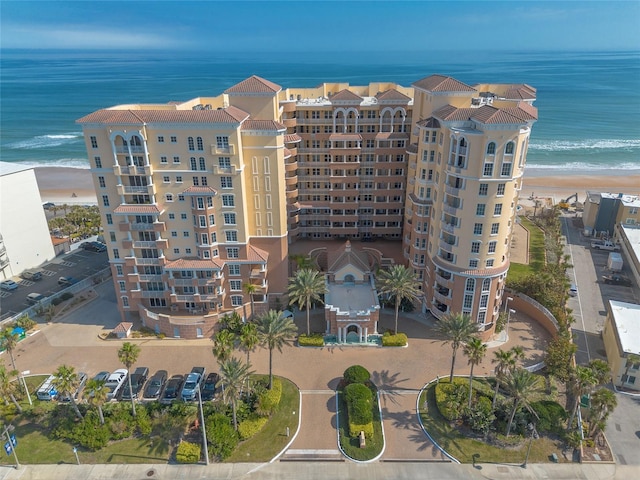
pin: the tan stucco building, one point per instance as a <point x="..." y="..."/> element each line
<point x="202" y="197"/>
<point x="621" y="337"/>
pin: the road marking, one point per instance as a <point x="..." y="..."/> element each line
<point x="317" y="392"/>
<point x="399" y="392"/>
<point x="294" y="451"/>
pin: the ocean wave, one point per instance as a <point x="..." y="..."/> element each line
<point x="584" y="166"/>
<point x="588" y="144"/>
<point x="46" y="141"/>
<point x="60" y="162"/>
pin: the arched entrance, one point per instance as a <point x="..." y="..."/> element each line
<point x="353" y="334"/>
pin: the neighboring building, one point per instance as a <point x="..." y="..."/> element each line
<point x="621" y="337"/>
<point x="23" y="244"/>
<point x="199" y="198"/>
<point x="603" y="211"/>
<point x="629" y="238"/>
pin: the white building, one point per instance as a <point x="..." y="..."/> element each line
<point x="24" y="234"/>
<point x="621" y="337"/>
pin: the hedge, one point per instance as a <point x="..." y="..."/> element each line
<point x="270" y="399"/>
<point x="551" y="416"/>
<point x="315" y="340"/>
<point x="249" y="427"/>
<point x="356" y="374"/>
<point x="66" y="296"/>
<point x="355" y="429"/>
<point x="359" y="401"/>
<point x="188" y="452"/>
<point x="397" y="340"/>
<point x="450" y="398"/>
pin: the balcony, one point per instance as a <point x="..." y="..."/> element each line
<point x="129" y="149"/>
<point x="292" y="193"/>
<point x="440" y="297"/>
<point x="135" y="261"/>
<point x="451" y="210"/>
<point x="446" y="282"/>
<point x="120" y="170"/>
<point x="259" y="273"/>
<point x="291" y="181"/>
<point x="452" y="190"/>
<point x="290" y="166"/>
<point x="135" y="190"/>
<point x="446" y="246"/>
<point x="449" y="227"/>
<point x="290" y="122"/>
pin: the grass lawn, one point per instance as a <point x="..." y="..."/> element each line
<point x="273" y="437"/>
<point x="351" y="446"/>
<point x="536" y="252"/>
<point x="463" y="448"/>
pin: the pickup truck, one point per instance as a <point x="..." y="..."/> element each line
<point x="616" y="280"/>
<point x="606" y="245"/>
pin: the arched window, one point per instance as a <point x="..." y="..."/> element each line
<point x="491" y="148"/>
<point x="508" y="150"/>
<point x="190" y="143"/>
<point x="349" y="279"/>
<point x="200" y="143"/>
<point x="194" y="165"/>
<point x="470" y="285"/>
<point x="135" y="141"/>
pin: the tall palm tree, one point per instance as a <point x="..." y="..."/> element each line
<point x="275" y="331"/>
<point x="223" y="343"/>
<point x="96" y="394"/>
<point x="401" y="283"/>
<point x="8" y="387"/>
<point x="128" y="355"/>
<point x="475" y="351"/>
<point x="249" y="338"/>
<point x="632" y="359"/>
<point x="67" y="381"/>
<point x="506" y="362"/>
<point x="601" y="371"/>
<point x="9" y="342"/>
<point x="458" y="328"/>
<point x="251" y="289"/>
<point x="520" y="384"/>
<point x="582" y="382"/>
<point x="603" y="402"/>
<point x="233" y="374"/>
<point x="305" y="287"/>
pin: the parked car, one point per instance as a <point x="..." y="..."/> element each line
<point x="66" y="281"/>
<point x="114" y="382"/>
<point x="34" y="275"/>
<point x="93" y="246"/>
<point x="172" y="389"/>
<point x="82" y="380"/>
<point x="8" y="285"/>
<point x="102" y="376"/>
<point x="191" y="386"/>
<point x="155" y="385"/>
<point x="616" y="279"/>
<point x="138" y="378"/>
<point x="209" y="387"/>
<point x="573" y="290"/>
<point x="48" y="205"/>
<point x="34" y="298"/>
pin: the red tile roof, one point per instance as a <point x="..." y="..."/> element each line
<point x="391" y="136"/>
<point x="205" y="190"/>
<point x="392" y="96"/>
<point x="429" y="123"/>
<point x="522" y="92"/>
<point x="123" y="327"/>
<point x="194" y="264"/>
<point x="254" y="84"/>
<point x="263" y="125"/>
<point x="133" y="209"/>
<point x="413" y="148"/>
<point x="346" y="95"/>
<point x="292" y="138"/>
<point x="256" y="254"/>
<point x="345" y="137"/>
<point x="442" y="83"/>
<point x="486" y="114"/>
<point x="107" y="116"/>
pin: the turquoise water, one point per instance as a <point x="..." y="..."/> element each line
<point x="589" y="107"/>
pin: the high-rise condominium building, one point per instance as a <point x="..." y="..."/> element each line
<point x="201" y="199"/>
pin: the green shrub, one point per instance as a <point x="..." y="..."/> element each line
<point x="25" y="322"/>
<point x="551" y="416"/>
<point x="221" y="436"/>
<point x="66" y="296"/>
<point x="355" y="429"/>
<point x="249" y="427"/>
<point x="89" y="433"/>
<point x="143" y="422"/>
<point x="356" y="374"/>
<point x="56" y="301"/>
<point x="269" y="399"/>
<point x="315" y="340"/>
<point x="480" y="416"/>
<point x="359" y="400"/>
<point x="451" y="398"/>
<point x="188" y="452"/>
<point x="397" y="340"/>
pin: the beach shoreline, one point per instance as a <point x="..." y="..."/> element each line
<point x="59" y="184"/>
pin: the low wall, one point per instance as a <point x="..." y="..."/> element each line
<point x="534" y="309"/>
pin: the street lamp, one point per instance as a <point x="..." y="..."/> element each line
<point x="24" y="382"/>
<point x="204" y="431"/>
<point x="511" y="311"/>
<point x="506" y="303"/>
<point x="534" y="434"/>
<point x="75" y="450"/>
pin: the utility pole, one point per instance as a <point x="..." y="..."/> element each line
<point x="11" y="444"/>
<point x="204" y="430"/>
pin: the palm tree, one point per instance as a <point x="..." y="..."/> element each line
<point x="275" y="331"/>
<point x="249" y="337"/>
<point x="603" y="402"/>
<point x="233" y="375"/>
<point x="223" y="342"/>
<point x="96" y="393"/>
<point x="8" y="387"/>
<point x="250" y="289"/>
<point x="128" y="355"/>
<point x="601" y="371"/>
<point x="520" y="384"/>
<point x="582" y="382"/>
<point x="8" y="342"/>
<point x="67" y="382"/>
<point x="306" y="287"/>
<point x="632" y="359"/>
<point x="506" y="362"/>
<point x="458" y="328"/>
<point x="475" y="350"/>
<point x="401" y="283"/>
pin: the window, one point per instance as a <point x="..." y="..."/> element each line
<point x="501" y="187"/>
<point x="480" y="208"/>
<point x="185" y="234"/>
<point x="102" y="182"/>
<point x="160" y="139"/>
<point x="494" y="228"/>
<point x="236" y="300"/>
<point x="174" y="139"/>
<point x="187" y="250"/>
<point x="229" y="218"/>
<point x="475" y="247"/>
<point x="181" y="198"/>
<point x="497" y="209"/>
<point x="183" y="216"/>
<point x="105" y="200"/>
<point x="204" y="182"/>
<point x="477" y="229"/>
<point x="112" y="236"/>
<point x="508" y="149"/>
<point x="473" y="263"/>
<point x="169" y="197"/>
<point x="202" y="165"/>
<point x="165" y="179"/>
<point x="116" y="253"/>
<point x="172" y="216"/>
<point x="176" y="250"/>
<point x="98" y="162"/>
<point x="190" y="144"/>
<point x="234" y="269"/>
<point x="468" y="302"/>
<point x="94" y="142"/>
<point x="488" y="169"/>
<point x="226" y="182"/>
<point x="109" y="219"/>
<point x="235" y="285"/>
<point x="224" y="162"/>
<point x="228" y="201"/>
<point x="233" y="252"/>
<point x="192" y="162"/>
<point x="122" y="285"/>
<point x="506" y="169"/>
<point x="492" y="247"/>
<point x="119" y="271"/>
<point x="222" y="141"/>
<point x="200" y="144"/>
<point x="484" y="188"/>
<point x="484" y="300"/>
<point x="490" y="262"/>
<point x="491" y="148"/>
<point x="176" y="159"/>
<point x="231" y="235"/>
<point x="196" y="181"/>
<point x="163" y="160"/>
<point x="174" y="234"/>
<point x="179" y="179"/>
<point x="212" y="220"/>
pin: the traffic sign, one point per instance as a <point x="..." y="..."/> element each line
<point x="13" y="440"/>
<point x="8" y="448"/>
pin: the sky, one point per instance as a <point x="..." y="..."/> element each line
<point x="316" y="25"/>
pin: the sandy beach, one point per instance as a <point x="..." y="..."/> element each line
<point x="59" y="184"/>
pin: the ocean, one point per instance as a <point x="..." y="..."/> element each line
<point x="588" y="102"/>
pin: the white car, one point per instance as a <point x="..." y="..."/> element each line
<point x="8" y="285"/>
<point x="115" y="381"/>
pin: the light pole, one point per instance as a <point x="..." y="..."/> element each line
<point x="75" y="450"/>
<point x="506" y="303"/>
<point x="204" y="431"/>
<point x="534" y="434"/>
<point x="511" y="310"/>
<point x="24" y="382"/>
